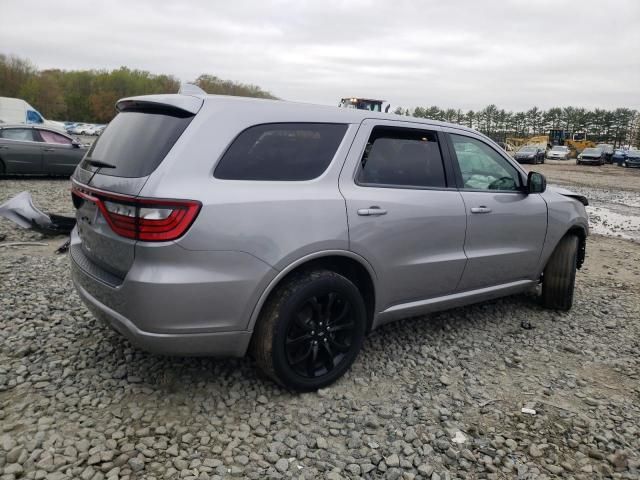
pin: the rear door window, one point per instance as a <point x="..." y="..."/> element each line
<point x="20" y="134"/>
<point x="136" y="141"/>
<point x="281" y="151"/>
<point x="402" y="157"/>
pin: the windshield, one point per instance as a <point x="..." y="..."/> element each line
<point x="558" y="148"/>
<point x="527" y="150"/>
<point x="592" y="151"/>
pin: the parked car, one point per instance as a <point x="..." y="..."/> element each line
<point x="529" y="154"/>
<point x="619" y="156"/>
<point x="632" y="159"/>
<point x="559" y="152"/>
<point x="608" y="151"/>
<point x="213" y="225"/>
<point x="97" y="129"/>
<point x="81" y="129"/>
<point x="90" y="130"/>
<point x="69" y="125"/>
<point x="593" y="156"/>
<point x="26" y="149"/>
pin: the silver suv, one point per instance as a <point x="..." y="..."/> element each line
<point x="211" y="225"/>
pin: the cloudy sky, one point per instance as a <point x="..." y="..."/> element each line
<point x="451" y="53"/>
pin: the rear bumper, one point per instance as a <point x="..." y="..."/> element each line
<point x="221" y="344"/>
<point x="175" y="301"/>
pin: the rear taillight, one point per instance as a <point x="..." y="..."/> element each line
<point x="146" y="219"/>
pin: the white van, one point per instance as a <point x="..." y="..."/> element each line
<point x="16" y="110"/>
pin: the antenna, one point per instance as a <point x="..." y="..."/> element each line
<point x="191" y="89"/>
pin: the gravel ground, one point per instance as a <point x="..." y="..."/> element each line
<point x="436" y="397"/>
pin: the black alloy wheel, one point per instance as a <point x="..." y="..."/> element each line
<point x="320" y="335"/>
<point x="310" y="330"/>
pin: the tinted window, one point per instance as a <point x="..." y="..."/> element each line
<point x="281" y="151"/>
<point x="483" y="168"/>
<point x="52" y="137"/>
<point x="136" y="141"/>
<point x="402" y="157"/>
<point x="22" y="134"/>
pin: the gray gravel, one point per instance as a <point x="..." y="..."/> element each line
<point x="437" y="397"/>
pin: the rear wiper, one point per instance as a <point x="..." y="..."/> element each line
<point x="98" y="163"/>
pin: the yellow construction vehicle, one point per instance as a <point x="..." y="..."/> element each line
<point x="576" y="141"/>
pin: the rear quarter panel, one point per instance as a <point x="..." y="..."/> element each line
<point x="277" y="222"/>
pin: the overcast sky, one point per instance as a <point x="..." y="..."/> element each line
<point x="450" y="53"/>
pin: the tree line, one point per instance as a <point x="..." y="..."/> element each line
<point x="620" y="126"/>
<point x="90" y="95"/>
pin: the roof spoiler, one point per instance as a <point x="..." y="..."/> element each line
<point x="191" y="89"/>
<point x="185" y="103"/>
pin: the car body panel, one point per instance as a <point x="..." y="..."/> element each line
<point x="61" y="159"/>
<point x="21" y="156"/>
<point x="408" y="266"/>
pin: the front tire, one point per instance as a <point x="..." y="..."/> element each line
<point x="559" y="276"/>
<point x="310" y="330"/>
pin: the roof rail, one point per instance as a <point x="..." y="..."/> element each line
<point x="191" y="89"/>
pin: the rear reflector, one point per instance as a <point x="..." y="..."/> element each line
<point x="145" y="219"/>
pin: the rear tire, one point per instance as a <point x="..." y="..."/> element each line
<point x="310" y="330"/>
<point x="559" y="277"/>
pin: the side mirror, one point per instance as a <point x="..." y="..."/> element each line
<point x="75" y="143"/>
<point x="536" y="183"/>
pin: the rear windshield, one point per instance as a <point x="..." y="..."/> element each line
<point x="136" y="141"/>
<point x="281" y="151"/>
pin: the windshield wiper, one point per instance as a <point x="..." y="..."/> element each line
<point x="99" y="163"/>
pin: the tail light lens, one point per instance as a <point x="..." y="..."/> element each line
<point x="145" y="219"/>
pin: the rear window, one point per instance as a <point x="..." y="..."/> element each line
<point x="281" y="151"/>
<point x="136" y="141"/>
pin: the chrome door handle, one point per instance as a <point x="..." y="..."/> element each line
<point x="48" y="149"/>
<point x="481" y="209"/>
<point x="371" y="211"/>
<point x="4" y="147"/>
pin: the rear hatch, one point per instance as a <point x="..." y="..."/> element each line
<point x="107" y="182"/>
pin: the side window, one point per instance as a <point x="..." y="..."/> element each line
<point x="34" y="117"/>
<point x="20" y="134"/>
<point x="52" y="137"/>
<point x="281" y="151"/>
<point x="402" y="157"/>
<point x="482" y="168"/>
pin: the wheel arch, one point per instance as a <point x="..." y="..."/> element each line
<point x="348" y="264"/>
<point x="579" y="231"/>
